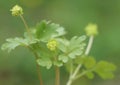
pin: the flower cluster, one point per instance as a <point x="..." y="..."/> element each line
<point x="17" y="10"/>
<point x="91" y="29"/>
<point x="52" y="44"/>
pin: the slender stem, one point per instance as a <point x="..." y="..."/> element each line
<point x="25" y="23"/>
<point x="69" y="82"/>
<point x="38" y="69"/>
<point x="57" y="70"/>
<point x="76" y="71"/>
<point x="83" y="73"/>
<point x="72" y="77"/>
<point x="71" y="68"/>
<point x="39" y="75"/>
<point x="57" y="79"/>
<point x="80" y="75"/>
<point x="37" y="66"/>
<point x="36" y="56"/>
<point x="26" y="26"/>
<point x="89" y="45"/>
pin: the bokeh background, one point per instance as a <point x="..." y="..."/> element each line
<point x="18" y="67"/>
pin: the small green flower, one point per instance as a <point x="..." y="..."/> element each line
<point x="52" y="45"/>
<point x="91" y="29"/>
<point x="17" y="10"/>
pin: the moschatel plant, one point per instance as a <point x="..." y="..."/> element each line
<point x="50" y="48"/>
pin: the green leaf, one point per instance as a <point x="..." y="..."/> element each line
<point x="80" y="59"/>
<point x="69" y="66"/>
<point x="58" y="63"/>
<point x="45" y="62"/>
<point x="105" y="69"/>
<point x="62" y="44"/>
<point x="9" y="46"/>
<point x="75" y="53"/>
<point x="31" y="36"/>
<point x="76" y="46"/>
<point x="71" y="49"/>
<point x="77" y="42"/>
<point x="40" y="28"/>
<point x="12" y="43"/>
<point x="63" y="58"/>
<point x="90" y="75"/>
<point x="46" y="31"/>
<point x="89" y="62"/>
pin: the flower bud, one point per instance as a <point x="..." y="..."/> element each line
<point x="17" y="10"/>
<point x="91" y="29"/>
<point x="52" y="44"/>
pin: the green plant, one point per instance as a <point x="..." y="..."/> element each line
<point x="50" y="48"/>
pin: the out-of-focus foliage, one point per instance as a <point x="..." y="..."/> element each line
<point x="103" y="68"/>
<point x="73" y="15"/>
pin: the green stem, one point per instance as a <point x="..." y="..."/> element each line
<point x="36" y="56"/>
<point x="37" y="66"/>
<point x="38" y="69"/>
<point x="71" y="68"/>
<point x="89" y="45"/>
<point x="57" y="79"/>
<point x="69" y="82"/>
<point x="72" y="77"/>
<point x="26" y="26"/>
<point x="83" y="73"/>
<point x="39" y="75"/>
<point x="80" y="75"/>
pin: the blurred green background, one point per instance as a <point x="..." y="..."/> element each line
<point x="18" y="67"/>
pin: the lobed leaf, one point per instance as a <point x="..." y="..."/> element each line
<point x="62" y="44"/>
<point x="90" y="75"/>
<point x="63" y="58"/>
<point x="58" y="63"/>
<point x="12" y="43"/>
<point x="45" y="62"/>
<point x="89" y="62"/>
<point x="46" y="31"/>
<point x="76" y="46"/>
<point x="105" y="69"/>
<point x="72" y="48"/>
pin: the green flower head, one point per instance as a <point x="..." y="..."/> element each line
<point x="91" y="29"/>
<point x="17" y="10"/>
<point x="52" y="45"/>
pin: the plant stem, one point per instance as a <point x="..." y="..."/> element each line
<point x="89" y="45"/>
<point x="76" y="71"/>
<point x="80" y="75"/>
<point x="69" y="82"/>
<point x="71" y="68"/>
<point x="57" y="79"/>
<point x="38" y="69"/>
<point x="83" y="73"/>
<point x="39" y="75"/>
<point x="37" y="66"/>
<point x="72" y="77"/>
<point x="26" y="26"/>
